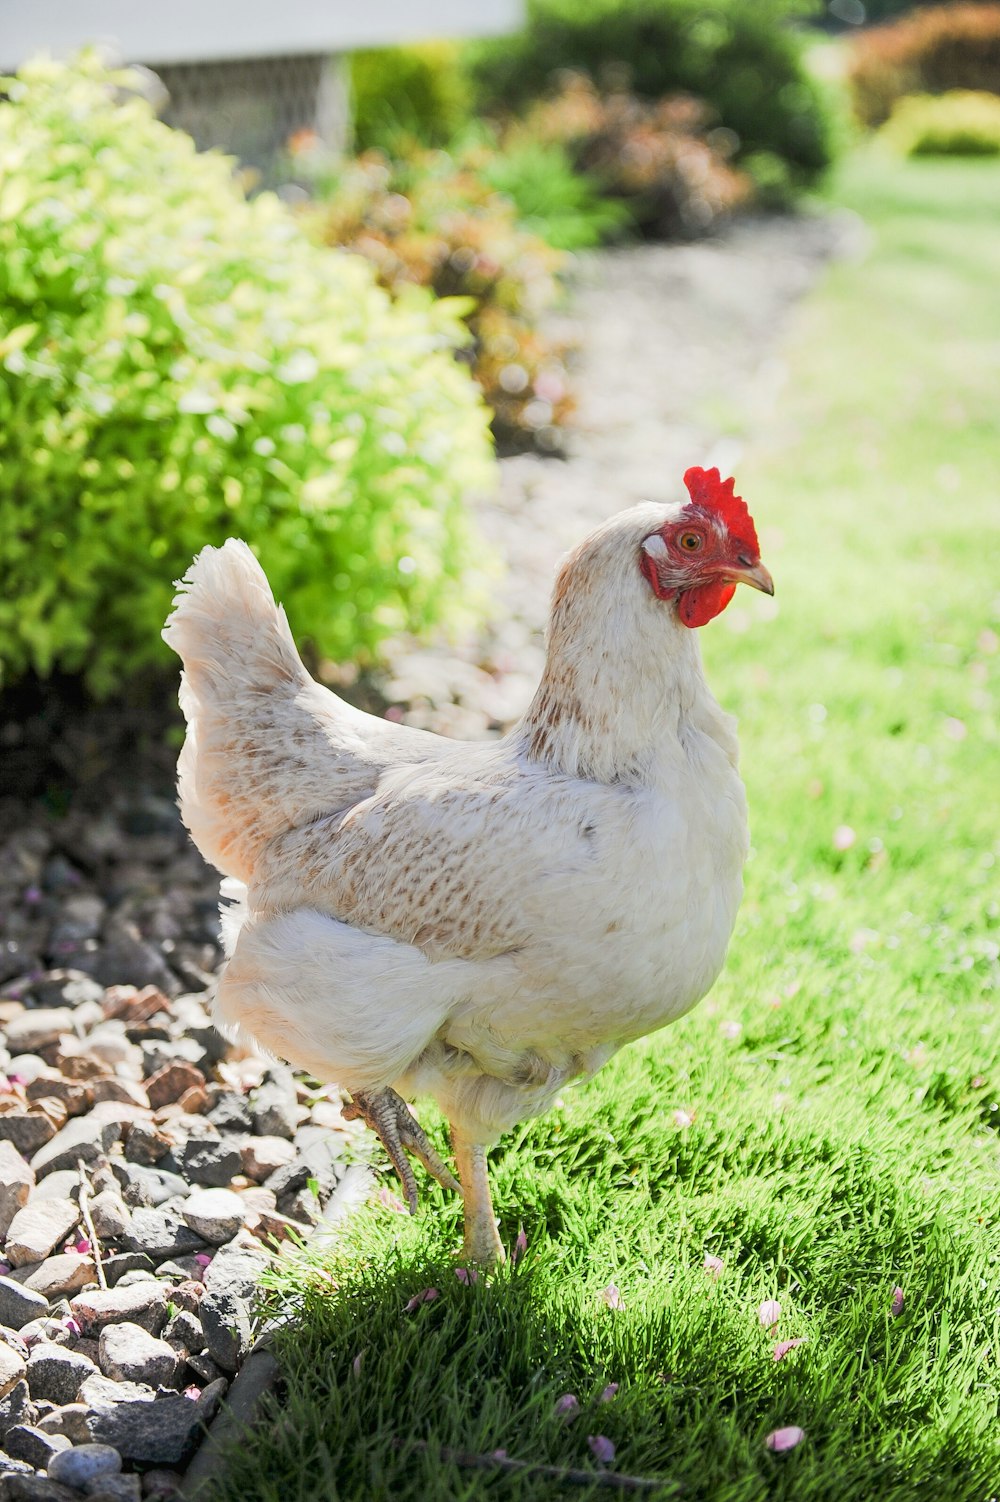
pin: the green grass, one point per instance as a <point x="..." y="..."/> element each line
<point x="844" y="1134"/>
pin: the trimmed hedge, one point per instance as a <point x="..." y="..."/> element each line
<point x="177" y="365"/>
<point x="934" y="50"/>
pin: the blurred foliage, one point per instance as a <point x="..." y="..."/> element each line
<point x="959" y="123"/>
<point x="178" y="365"/>
<point x="552" y="197"/>
<point x="651" y="156"/>
<point x="431" y="219"/>
<point x="742" y="59"/>
<point x="421" y="91"/>
<point x="929" y="52"/>
<point x="854" y="12"/>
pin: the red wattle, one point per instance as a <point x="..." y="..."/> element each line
<point x="697" y="606"/>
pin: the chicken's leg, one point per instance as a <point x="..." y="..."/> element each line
<point x="482" y="1240"/>
<point x="390" y="1119"/>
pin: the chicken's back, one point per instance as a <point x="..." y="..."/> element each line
<point x="267" y="749"/>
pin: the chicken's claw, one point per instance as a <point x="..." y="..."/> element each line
<point x="390" y="1118"/>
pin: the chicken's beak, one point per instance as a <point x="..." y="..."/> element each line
<point x="754" y="574"/>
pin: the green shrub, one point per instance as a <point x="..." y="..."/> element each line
<point x="959" y="123"/>
<point x="737" y="56"/>
<point x="178" y="365"/>
<point x="420" y="91"/>
<point x="934" y="50"/>
<point x="552" y="199"/>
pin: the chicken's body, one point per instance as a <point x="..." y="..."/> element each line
<point x="478" y="922"/>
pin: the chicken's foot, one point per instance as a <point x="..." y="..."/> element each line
<point x="390" y="1118"/>
<point x="482" y="1239"/>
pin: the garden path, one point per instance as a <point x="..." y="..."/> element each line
<point x="678" y="355"/>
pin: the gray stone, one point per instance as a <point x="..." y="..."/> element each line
<point x="36" y="1028"/>
<point x="82" y="1466"/>
<point x="130" y="1354"/>
<point x="232" y="1113"/>
<point x="212" y="1162"/>
<point x="236" y="1268"/>
<point x="81" y="1140"/>
<point x="35" y="1489"/>
<point x="214" y="1214"/>
<point x="275" y="1111"/>
<point x="20" y="1305"/>
<point x="39" y="1227"/>
<point x="109" y="1215"/>
<point x="161" y="1429"/>
<point x="67" y="986"/>
<point x="17" y="1179"/>
<point x="103" y="1392"/>
<point x="225" y="1320"/>
<point x="10" y="1467"/>
<point x="122" y="1263"/>
<point x="313" y="1163"/>
<point x="142" y="1304"/>
<point x="257" y="1378"/>
<point x="70" y="1419"/>
<point x="17" y="1408"/>
<point x="160" y="1483"/>
<point x="184" y="1332"/>
<point x="12" y="1368"/>
<point x="142" y="1185"/>
<point x="204" y="1366"/>
<point x="64" y="1184"/>
<point x="159" y="1235"/>
<point x="63" y="1273"/>
<point x="25" y="1442"/>
<point x="27" y="1131"/>
<point x="116" y="1489"/>
<point x="145" y="1143"/>
<point x="262" y="1156"/>
<point x="55" y="1373"/>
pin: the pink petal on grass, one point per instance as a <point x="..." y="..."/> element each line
<point x="425" y="1296"/>
<point x="780" y="1440"/>
<point x="520" y="1245"/>
<point x="714" y="1266"/>
<point x="611" y="1391"/>
<point x="567" y="1407"/>
<point x="356" y="1364"/>
<point x="683" y="1119"/>
<point x="601" y="1448"/>
<point x="466" y="1275"/>
<point x="769" y="1313"/>
<point x="499" y="1454"/>
<point x="898" y="1303"/>
<point x="612" y="1296"/>
<point x="782" y="1347"/>
<point x="843" y="837"/>
<point x="392" y="1201"/>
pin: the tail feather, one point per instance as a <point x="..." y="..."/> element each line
<point x="264" y="749"/>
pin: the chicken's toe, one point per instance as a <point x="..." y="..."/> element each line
<point x="390" y="1118"/>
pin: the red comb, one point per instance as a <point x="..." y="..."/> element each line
<point x="707" y="488"/>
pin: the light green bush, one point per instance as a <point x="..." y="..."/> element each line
<point x="962" y="122"/>
<point x="178" y="365"/>
<point x="420" y="91"/>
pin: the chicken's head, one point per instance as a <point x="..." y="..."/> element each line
<point x="700" y="554"/>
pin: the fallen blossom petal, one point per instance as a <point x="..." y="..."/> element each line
<point x="499" y="1454"/>
<point x="769" y="1313"/>
<point x="843" y="837"/>
<point x="683" y="1119"/>
<point x="714" y="1266"/>
<point x="898" y="1303"/>
<point x="192" y="1391"/>
<point x="731" y="1030"/>
<point x="780" y="1440"/>
<point x="82" y="1246"/>
<point x="568" y="1406"/>
<point x="601" y="1448"/>
<point x="520" y="1245"/>
<point x="71" y="1326"/>
<point x="611" y="1391"/>
<point x="202" y="1258"/>
<point x="425" y="1296"/>
<point x="4" y="1269"/>
<point x="392" y="1201"/>
<point x="782" y="1347"/>
<point x="356" y="1364"/>
<point x="612" y="1296"/>
<point x="466" y="1275"/>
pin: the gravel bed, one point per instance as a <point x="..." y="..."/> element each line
<point x="149" y="1170"/>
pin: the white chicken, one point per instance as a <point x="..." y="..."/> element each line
<point x="477" y="922"/>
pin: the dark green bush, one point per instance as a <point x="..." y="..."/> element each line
<point x="178" y="365"/>
<point x="741" y="58"/>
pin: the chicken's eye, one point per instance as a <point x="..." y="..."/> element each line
<point x="690" y="541"/>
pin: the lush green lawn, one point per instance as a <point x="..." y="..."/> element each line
<point x="826" y="1123"/>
